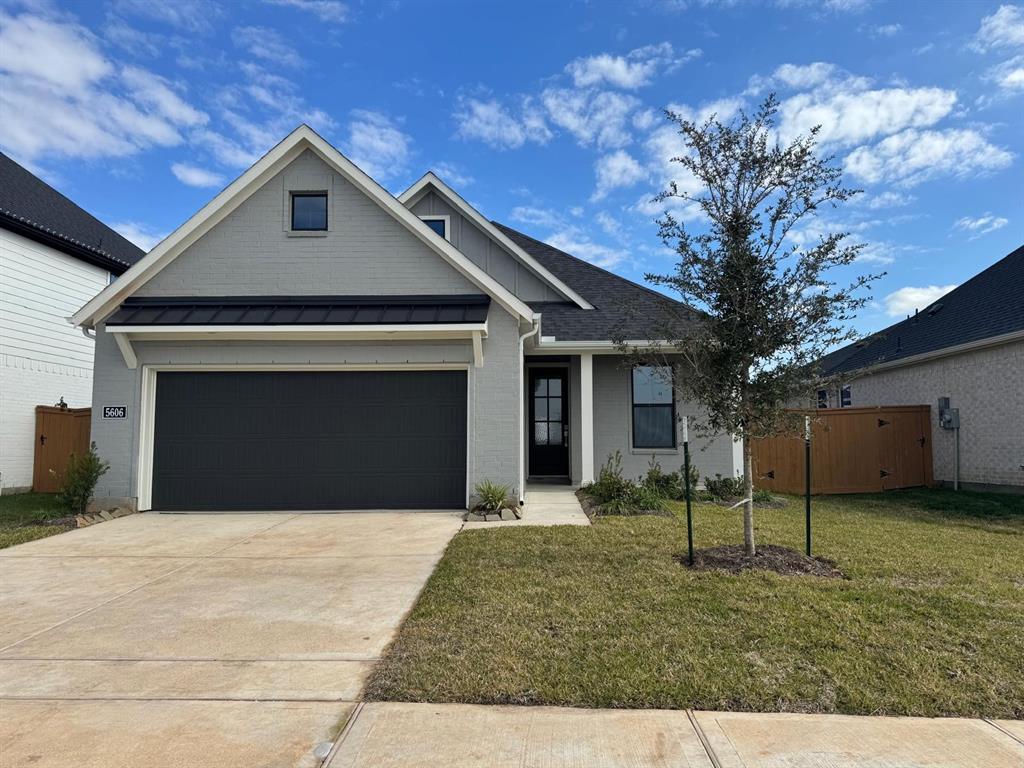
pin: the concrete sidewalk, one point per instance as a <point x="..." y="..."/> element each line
<point x="396" y="735"/>
<point x="545" y="505"/>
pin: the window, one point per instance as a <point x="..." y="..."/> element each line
<point x="309" y="211"/>
<point x="845" y="397"/>
<point x="823" y="398"/>
<point x="654" y="409"/>
<point x="437" y="223"/>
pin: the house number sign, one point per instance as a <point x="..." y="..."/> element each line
<point x="115" y="411"/>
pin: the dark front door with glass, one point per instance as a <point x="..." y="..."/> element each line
<point x="549" y="423"/>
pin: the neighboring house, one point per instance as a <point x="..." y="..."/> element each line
<point x="53" y="257"/>
<point x="967" y="346"/>
<point x="309" y="341"/>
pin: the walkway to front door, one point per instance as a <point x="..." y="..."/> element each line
<point x="549" y="423"/>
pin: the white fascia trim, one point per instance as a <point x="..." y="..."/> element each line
<point x="970" y="346"/>
<point x="240" y="189"/>
<point x="465" y="329"/>
<point x="417" y="190"/>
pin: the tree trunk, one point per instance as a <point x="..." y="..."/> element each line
<point x="748" y="494"/>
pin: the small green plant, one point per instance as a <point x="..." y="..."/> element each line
<point x="491" y="496"/>
<point x="763" y="496"/>
<point x="80" y="478"/>
<point x="724" y="488"/>
<point x="610" y="483"/>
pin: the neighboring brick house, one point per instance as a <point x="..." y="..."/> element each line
<point x="53" y="257"/>
<point x="967" y="346"/>
<point x="309" y="341"/>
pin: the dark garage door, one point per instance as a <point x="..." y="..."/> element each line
<point x="310" y="440"/>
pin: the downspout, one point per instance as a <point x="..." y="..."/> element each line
<point x="85" y="332"/>
<point x="522" y="399"/>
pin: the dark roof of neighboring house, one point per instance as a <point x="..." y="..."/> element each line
<point x="989" y="304"/>
<point x="622" y="309"/>
<point x="302" y="310"/>
<point x="31" y="207"/>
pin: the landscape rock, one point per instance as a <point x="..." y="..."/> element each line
<point x="473" y="517"/>
<point x="508" y="514"/>
<point x="493" y="517"/>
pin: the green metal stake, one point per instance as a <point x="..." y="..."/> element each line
<point x="686" y="474"/>
<point x="807" y="467"/>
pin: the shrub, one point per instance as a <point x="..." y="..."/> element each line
<point x="80" y="480"/>
<point x="492" y="497"/>
<point x="763" y="496"/>
<point x="610" y="483"/>
<point x="620" y="496"/>
<point x="724" y="488"/>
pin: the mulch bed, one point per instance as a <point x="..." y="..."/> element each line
<point x="594" y="509"/>
<point x="788" y="562"/>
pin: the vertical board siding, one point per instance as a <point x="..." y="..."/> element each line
<point x="60" y="432"/>
<point x="853" y="450"/>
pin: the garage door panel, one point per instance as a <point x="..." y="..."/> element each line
<point x="310" y="440"/>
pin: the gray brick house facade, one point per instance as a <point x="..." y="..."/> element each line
<point x="384" y="357"/>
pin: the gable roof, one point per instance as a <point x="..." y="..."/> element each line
<point x="430" y="179"/>
<point x="298" y="141"/>
<point x="31" y="207"/>
<point x="621" y="309"/>
<point x="989" y="306"/>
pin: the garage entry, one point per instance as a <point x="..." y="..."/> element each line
<point x="308" y="440"/>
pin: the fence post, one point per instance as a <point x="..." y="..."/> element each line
<point x="807" y="479"/>
<point x="686" y="474"/>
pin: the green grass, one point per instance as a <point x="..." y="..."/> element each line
<point x="26" y="516"/>
<point x="930" y="620"/>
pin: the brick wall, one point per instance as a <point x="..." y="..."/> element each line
<point x="987" y="386"/>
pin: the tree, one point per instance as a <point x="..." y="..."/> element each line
<point x="771" y="308"/>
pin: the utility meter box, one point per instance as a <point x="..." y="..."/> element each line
<point x="950" y="418"/>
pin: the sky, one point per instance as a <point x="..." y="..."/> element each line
<point x="549" y="117"/>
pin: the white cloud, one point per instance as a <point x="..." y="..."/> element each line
<point x="592" y="117"/>
<point x="577" y="243"/>
<point x="325" y="10"/>
<point x="453" y="174"/>
<point x="267" y="44"/>
<point x="1009" y="75"/>
<point x="142" y="235"/>
<point x="886" y="30"/>
<point x="615" y="170"/>
<point x="194" y="176"/>
<point x="189" y="15"/>
<point x="906" y="300"/>
<point x="60" y="95"/>
<point x="1003" y="29"/>
<point x="635" y="69"/>
<point x="854" y="117"/>
<point x="492" y="123"/>
<point x="537" y="217"/>
<point x="981" y="225"/>
<point x="377" y="145"/>
<point x="804" y="75"/>
<point x="888" y="199"/>
<point x="913" y="156"/>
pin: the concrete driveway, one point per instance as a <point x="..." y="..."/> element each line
<point x="196" y="640"/>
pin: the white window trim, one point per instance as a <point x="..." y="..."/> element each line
<point x="147" y="407"/>
<point x="447" y="223"/>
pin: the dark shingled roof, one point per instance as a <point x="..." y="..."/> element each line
<point x="302" y="310"/>
<point x="989" y="304"/>
<point x="622" y="309"/>
<point x="34" y="209"/>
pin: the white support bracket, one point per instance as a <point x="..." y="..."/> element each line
<point x="127" y="352"/>
<point x="478" y="349"/>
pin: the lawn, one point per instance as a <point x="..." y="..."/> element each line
<point x="929" y="621"/>
<point x="28" y="516"/>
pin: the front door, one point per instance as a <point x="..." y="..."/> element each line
<point x="549" y="422"/>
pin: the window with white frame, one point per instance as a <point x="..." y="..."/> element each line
<point x="654" y="408"/>
<point x="440" y="224"/>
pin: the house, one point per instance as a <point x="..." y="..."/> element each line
<point x="53" y="257"/>
<point x="309" y="341"/>
<point x="964" y="356"/>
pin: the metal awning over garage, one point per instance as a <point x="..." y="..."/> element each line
<point x="299" y="318"/>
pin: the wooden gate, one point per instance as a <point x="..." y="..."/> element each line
<point x="59" y="433"/>
<point x="853" y="450"/>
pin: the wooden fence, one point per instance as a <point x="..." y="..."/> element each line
<point x="59" y="433"/>
<point x="853" y="450"/>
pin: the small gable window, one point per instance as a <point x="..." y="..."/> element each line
<point x="309" y="211"/>
<point x="845" y="397"/>
<point x="654" y="410"/>
<point x="439" y="224"/>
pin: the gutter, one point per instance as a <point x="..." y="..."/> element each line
<point x="970" y="346"/>
<point x="522" y="402"/>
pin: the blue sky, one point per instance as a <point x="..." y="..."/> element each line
<point x="546" y="118"/>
